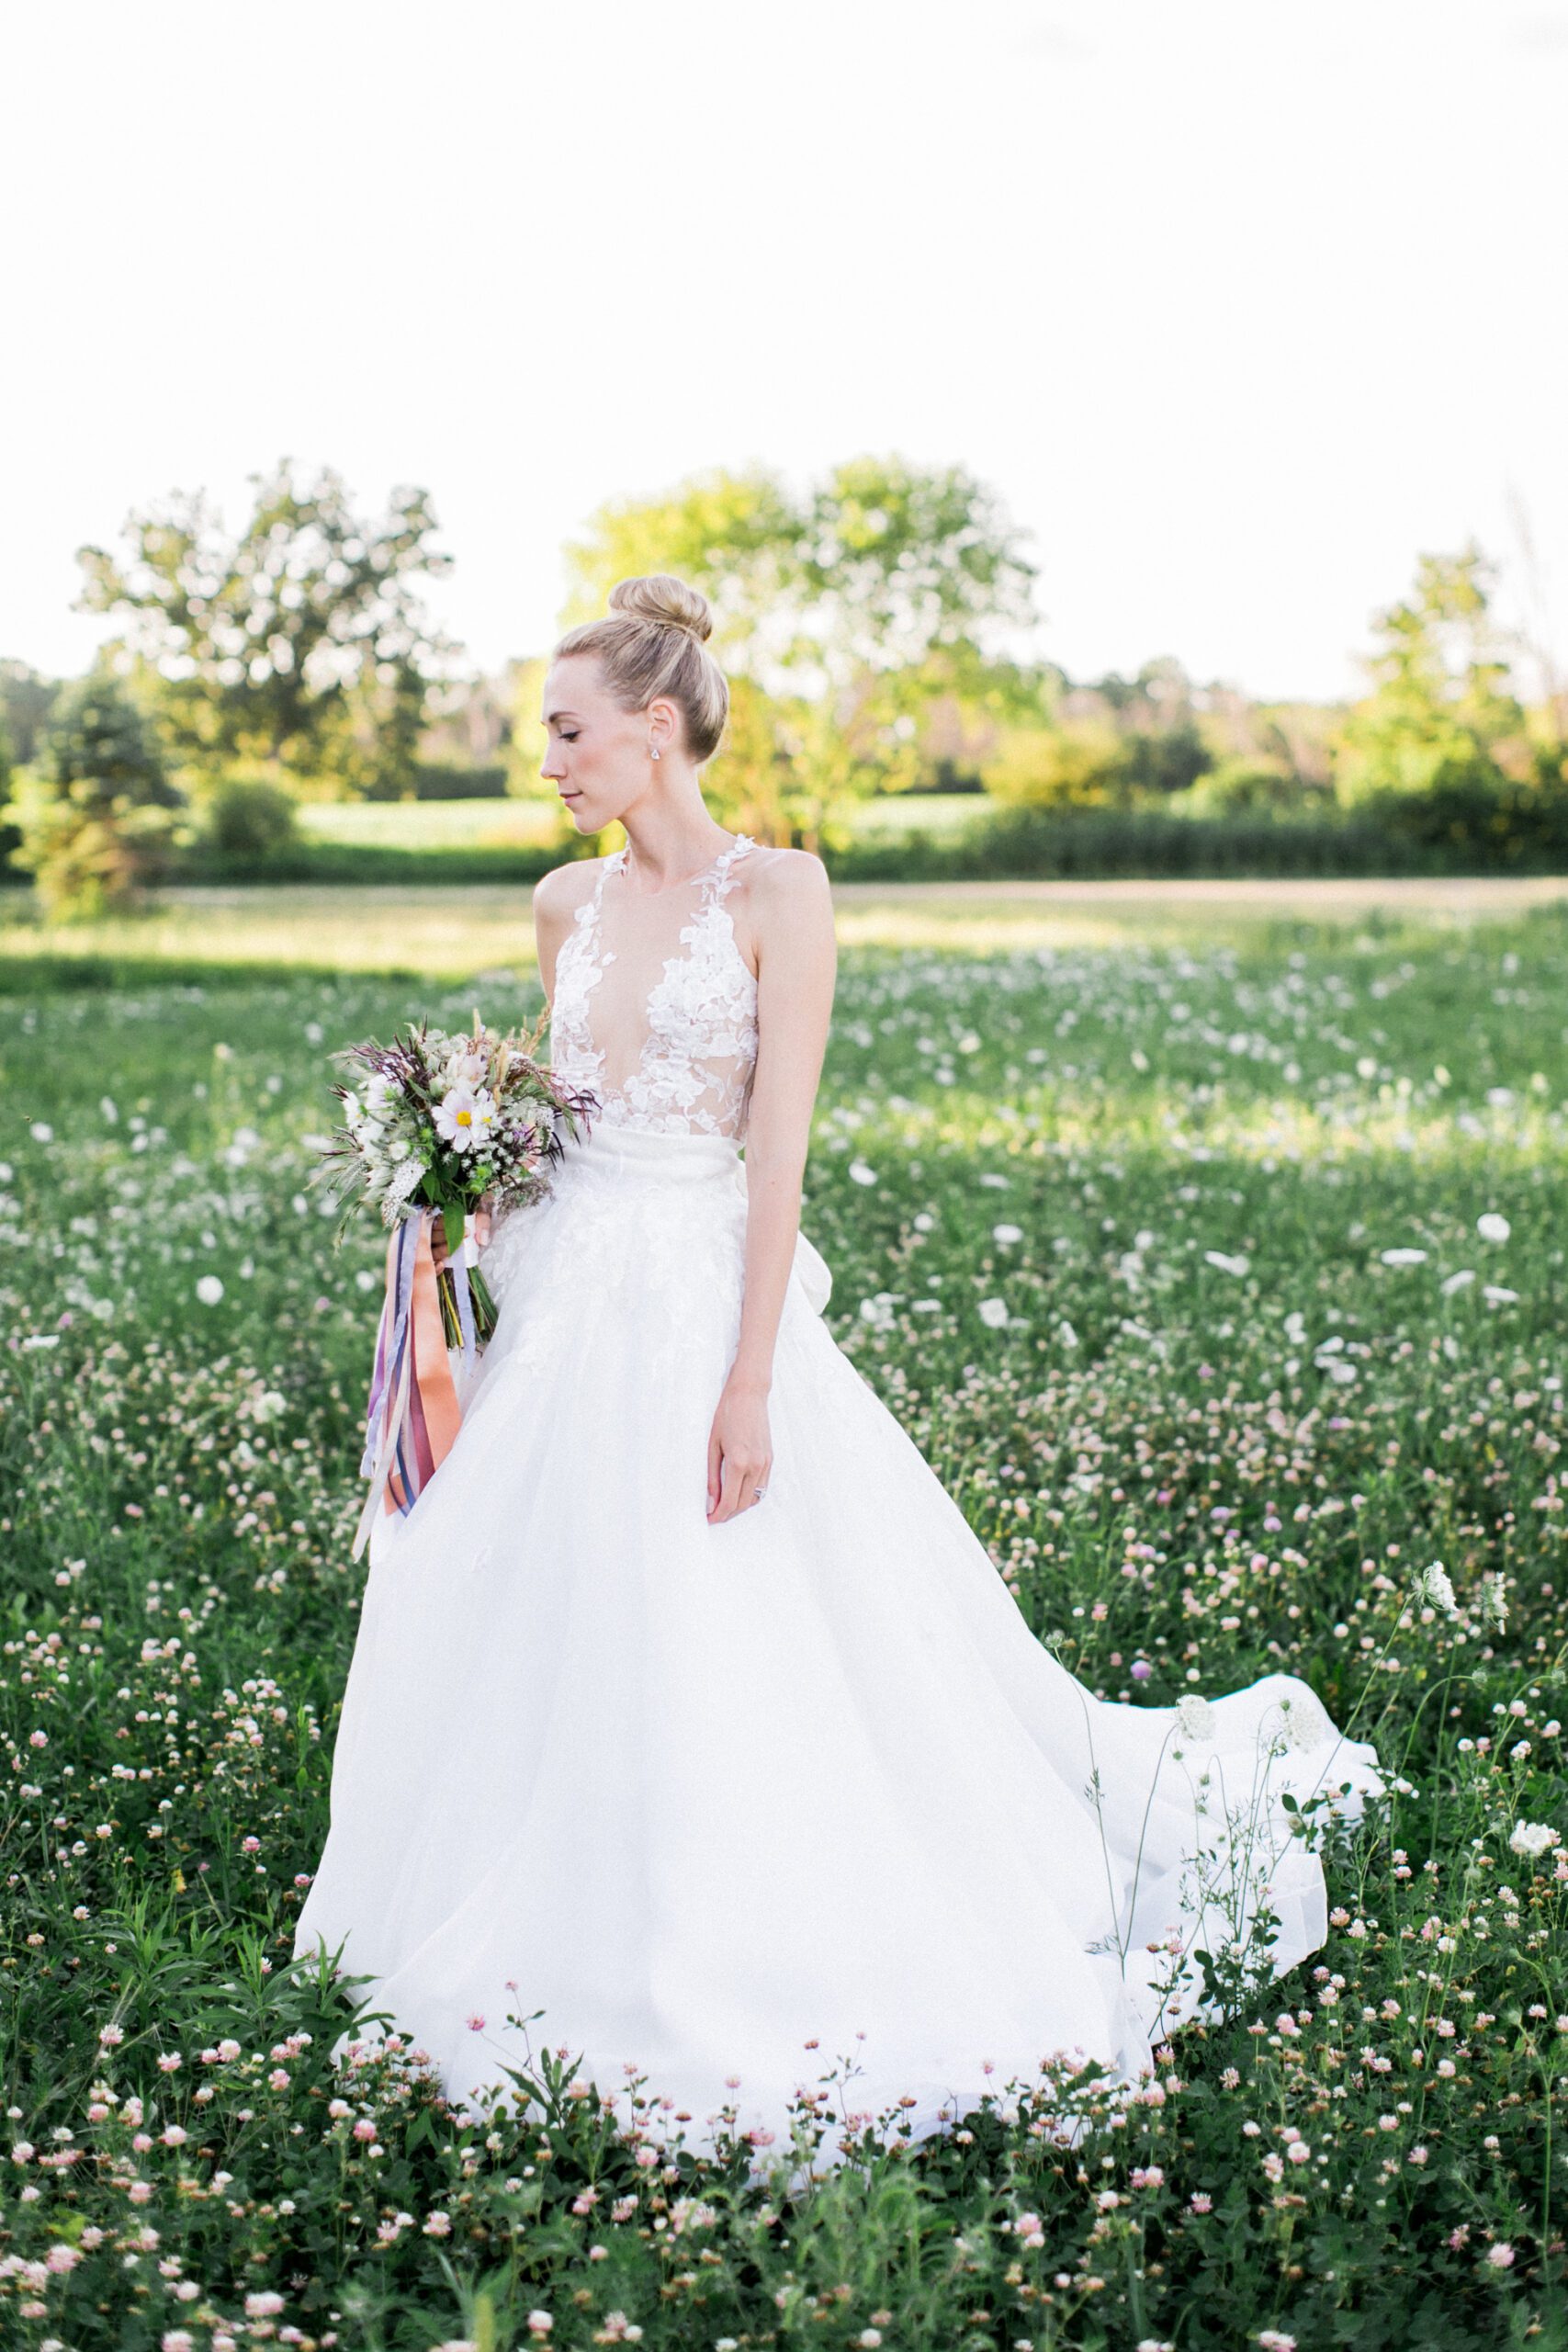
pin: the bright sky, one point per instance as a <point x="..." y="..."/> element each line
<point x="1236" y="306"/>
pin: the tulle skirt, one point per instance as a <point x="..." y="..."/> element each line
<point x="728" y="1804"/>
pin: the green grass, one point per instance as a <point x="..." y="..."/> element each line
<point x="1205" y="1469"/>
<point x="448" y="933"/>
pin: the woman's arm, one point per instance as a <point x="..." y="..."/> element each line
<point x="792" y="922"/>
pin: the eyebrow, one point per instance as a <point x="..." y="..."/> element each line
<point x="551" y="715"/>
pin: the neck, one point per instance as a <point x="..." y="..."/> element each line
<point x="659" y="855"/>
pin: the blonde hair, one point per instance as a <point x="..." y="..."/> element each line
<point x="651" y="642"/>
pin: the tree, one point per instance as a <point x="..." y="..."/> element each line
<point x="27" y="703"/>
<point x="1442" y="713"/>
<point x="848" y="611"/>
<point x="97" y="816"/>
<point x="302" y="643"/>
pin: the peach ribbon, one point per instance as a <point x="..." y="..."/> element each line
<point x="413" y="1416"/>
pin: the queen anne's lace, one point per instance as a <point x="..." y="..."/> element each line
<point x="699" y="1050"/>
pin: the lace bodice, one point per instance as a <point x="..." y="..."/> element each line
<point x="671" y="1042"/>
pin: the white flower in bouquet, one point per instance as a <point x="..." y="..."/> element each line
<point x="402" y="1187"/>
<point x="466" y="1067"/>
<point x="465" y="1116"/>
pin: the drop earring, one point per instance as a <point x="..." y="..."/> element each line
<point x="654" y="749"/>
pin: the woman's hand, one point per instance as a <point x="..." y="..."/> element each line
<point x="438" y="1232"/>
<point x="741" y="1449"/>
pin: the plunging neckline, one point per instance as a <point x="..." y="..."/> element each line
<point x="698" y="1016"/>
<point x="591" y="913"/>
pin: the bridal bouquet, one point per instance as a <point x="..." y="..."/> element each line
<point x="441" y="1126"/>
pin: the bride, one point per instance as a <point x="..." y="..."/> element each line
<point x="687" y="1715"/>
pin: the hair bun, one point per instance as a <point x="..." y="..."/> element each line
<point x="660" y="597"/>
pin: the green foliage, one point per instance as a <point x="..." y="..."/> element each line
<point x="1442" y="715"/>
<point x="97" y="816"/>
<point x="27" y="704"/>
<point x="1114" y="742"/>
<point x="1075" y="764"/>
<point x="10" y="835"/>
<point x="445" y="780"/>
<point x="1165" y="760"/>
<point x="251" y="818"/>
<point x="1491" y="821"/>
<point x="1251" y="786"/>
<point x="301" y="640"/>
<point x="846" y="611"/>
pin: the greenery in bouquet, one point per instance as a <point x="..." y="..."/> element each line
<point x="447" y="1124"/>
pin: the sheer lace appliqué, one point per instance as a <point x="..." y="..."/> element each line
<point x="699" y="1047"/>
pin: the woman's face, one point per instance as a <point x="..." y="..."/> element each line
<point x="598" y="757"/>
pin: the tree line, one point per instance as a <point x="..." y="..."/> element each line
<point x="870" y="627"/>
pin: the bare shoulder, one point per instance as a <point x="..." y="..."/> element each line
<point x="790" y="881"/>
<point x="558" y="893"/>
<point x="789" y="910"/>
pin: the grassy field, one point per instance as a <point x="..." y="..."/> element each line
<point x="1215" y="1258"/>
<point x="448" y="935"/>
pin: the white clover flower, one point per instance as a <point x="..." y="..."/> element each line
<point x="1498" y="1294"/>
<point x="1493" y="1227"/>
<point x="994" y="1312"/>
<point x="1457" y="1282"/>
<point x="1403" y="1257"/>
<point x="210" y="1290"/>
<point x="861" y="1173"/>
<point x="1494" y="1599"/>
<point x="1067" y="1334"/>
<point x="1237" y="1264"/>
<point x="1007" y="1233"/>
<point x="42" y="1132"/>
<point x="1533" y="1838"/>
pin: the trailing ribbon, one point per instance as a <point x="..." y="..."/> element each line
<point x="413" y="1413"/>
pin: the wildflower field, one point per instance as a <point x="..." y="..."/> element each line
<point x="1221" y="1276"/>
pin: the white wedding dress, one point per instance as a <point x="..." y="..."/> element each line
<point x="728" y="1802"/>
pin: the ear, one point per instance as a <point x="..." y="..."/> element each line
<point x="663" y="723"/>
